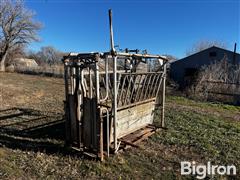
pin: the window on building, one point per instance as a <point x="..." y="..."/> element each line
<point x="212" y="54"/>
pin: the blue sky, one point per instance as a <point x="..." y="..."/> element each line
<point x="161" y="27"/>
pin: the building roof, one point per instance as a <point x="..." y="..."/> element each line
<point x="215" y="47"/>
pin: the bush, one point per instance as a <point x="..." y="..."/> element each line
<point x="219" y="81"/>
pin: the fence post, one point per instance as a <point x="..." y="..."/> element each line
<point x="163" y="95"/>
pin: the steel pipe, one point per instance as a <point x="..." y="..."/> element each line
<point x="106" y="79"/>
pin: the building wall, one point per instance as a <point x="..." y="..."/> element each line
<point x="198" y="60"/>
<point x="24" y="62"/>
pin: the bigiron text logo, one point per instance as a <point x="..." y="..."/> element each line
<point x="202" y="170"/>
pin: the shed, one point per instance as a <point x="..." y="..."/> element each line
<point x="24" y="62"/>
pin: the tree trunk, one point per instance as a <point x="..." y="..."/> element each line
<point x="2" y="62"/>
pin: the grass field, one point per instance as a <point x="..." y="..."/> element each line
<point x="32" y="137"/>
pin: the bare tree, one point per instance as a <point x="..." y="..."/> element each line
<point x="48" y="55"/>
<point x="17" y="27"/>
<point x="204" y="44"/>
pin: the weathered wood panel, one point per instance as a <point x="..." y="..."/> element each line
<point x="134" y="118"/>
<point x="73" y="118"/>
<point x="87" y="125"/>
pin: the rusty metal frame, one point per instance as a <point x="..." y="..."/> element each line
<point x="93" y="98"/>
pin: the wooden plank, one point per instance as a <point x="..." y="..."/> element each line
<point x="145" y="136"/>
<point x="73" y="118"/>
<point x="136" y="137"/>
<point x="130" y="143"/>
<point x="137" y="134"/>
<point x="87" y="122"/>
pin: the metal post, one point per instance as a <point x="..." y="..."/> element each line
<point x="163" y="94"/>
<point x="79" y="102"/>
<point x="115" y="102"/>
<point x="111" y="30"/>
<point x="101" y="135"/>
<point x="97" y="79"/>
<point x="97" y="106"/>
<point x="114" y="80"/>
<point x="73" y="80"/>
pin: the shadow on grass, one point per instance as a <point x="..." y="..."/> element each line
<point x="32" y="130"/>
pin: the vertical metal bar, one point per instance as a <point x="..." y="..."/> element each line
<point x="106" y="76"/>
<point x="152" y="85"/>
<point x="121" y="92"/>
<point x="78" y="99"/>
<point x="111" y="30"/>
<point x="114" y="82"/>
<point x="90" y="84"/>
<point x="146" y="91"/>
<point x="110" y="86"/>
<point x="97" y="103"/>
<point x="138" y="88"/>
<point x="93" y="112"/>
<point x="80" y="105"/>
<point x="143" y="86"/>
<point x="157" y="84"/>
<point x="163" y="95"/>
<point x="128" y="89"/>
<point x="74" y="80"/>
<point x="97" y="81"/>
<point x="86" y="86"/>
<point x="115" y="102"/>
<point x="71" y="79"/>
<point x="82" y="84"/>
<point x="133" y="88"/>
<point x="101" y="135"/>
<point x="119" y="76"/>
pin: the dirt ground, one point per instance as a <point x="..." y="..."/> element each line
<point x="26" y="91"/>
<point x="32" y="137"/>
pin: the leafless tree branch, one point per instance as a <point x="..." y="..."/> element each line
<point x="17" y="27"/>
